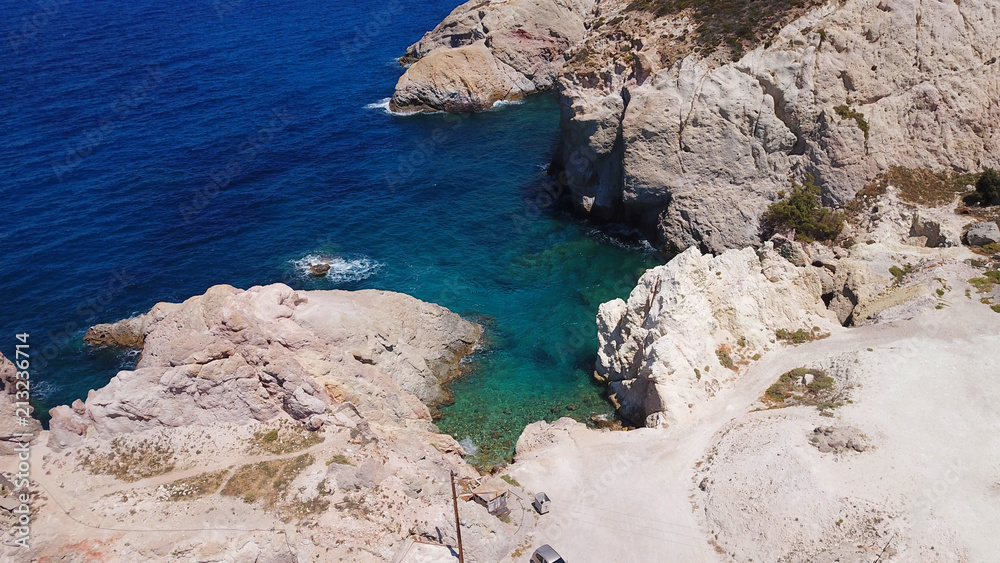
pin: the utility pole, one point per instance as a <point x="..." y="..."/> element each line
<point x="458" y="523"/>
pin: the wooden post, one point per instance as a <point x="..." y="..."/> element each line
<point x="458" y="523"/>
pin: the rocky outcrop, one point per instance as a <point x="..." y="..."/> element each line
<point x="983" y="233"/>
<point x="691" y="139"/>
<point x="266" y="425"/>
<point x="484" y="52"/>
<point x="689" y="323"/>
<point x="690" y="327"/>
<point x="927" y="231"/>
<point x="127" y="332"/>
<point x="12" y="433"/>
<point x="695" y="151"/>
<point x="230" y="356"/>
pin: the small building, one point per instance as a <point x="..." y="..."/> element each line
<point x="541" y="503"/>
<point x="494" y="498"/>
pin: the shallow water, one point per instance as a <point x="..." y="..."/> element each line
<point x="152" y="150"/>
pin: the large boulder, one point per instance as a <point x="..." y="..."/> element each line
<point x="983" y="233"/>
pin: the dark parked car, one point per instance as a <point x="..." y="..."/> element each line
<point x="546" y="554"/>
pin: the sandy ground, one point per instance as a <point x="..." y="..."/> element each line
<point x="740" y="485"/>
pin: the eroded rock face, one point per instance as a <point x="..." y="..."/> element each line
<point x="231" y="355"/>
<point x="661" y="352"/>
<point x="484" y="52"/>
<point x="695" y="150"/>
<point x="690" y="326"/>
<point x="691" y="147"/>
<point x="11" y="433"/>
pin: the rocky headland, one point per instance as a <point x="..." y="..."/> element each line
<point x="485" y="52"/>
<point x="688" y="119"/>
<point x="263" y="425"/>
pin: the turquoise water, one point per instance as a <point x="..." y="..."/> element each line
<point x="153" y="150"/>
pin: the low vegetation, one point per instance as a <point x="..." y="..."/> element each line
<point x="803" y="386"/>
<point x="725" y="358"/>
<point x="845" y="112"/>
<point x="925" y="187"/>
<point x="900" y="273"/>
<point x="301" y="508"/>
<point x="738" y="24"/>
<point x="986" y="282"/>
<point x="800" y="336"/>
<point x="510" y="480"/>
<point x="198" y="486"/>
<point x="913" y="185"/>
<point x="131" y="461"/>
<point x="266" y="481"/>
<point x="339" y="459"/>
<point x="803" y="213"/>
<point x="284" y="440"/>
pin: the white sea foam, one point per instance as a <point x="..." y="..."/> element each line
<point x="383" y="106"/>
<point x="43" y="389"/>
<point x="500" y="104"/>
<point x="468" y="445"/>
<point x="343" y="269"/>
<point x="129" y="358"/>
<point x="623" y="238"/>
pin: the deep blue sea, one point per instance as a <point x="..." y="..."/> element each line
<point x="150" y="150"/>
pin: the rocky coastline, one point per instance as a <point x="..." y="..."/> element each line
<point x="264" y="424"/>
<point x="777" y="394"/>
<point x="669" y="127"/>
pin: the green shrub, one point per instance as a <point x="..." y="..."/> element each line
<point x="803" y="212"/>
<point x="988" y="186"/>
<point x="724" y="358"/>
<point x="799" y="336"/>
<point x="899" y="273"/>
<point x="844" y="112"/>
<point x="789" y="390"/>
